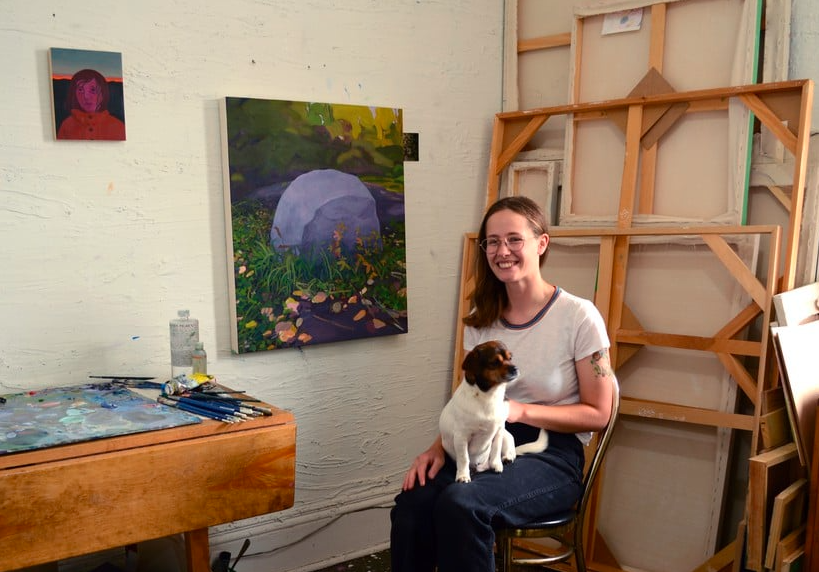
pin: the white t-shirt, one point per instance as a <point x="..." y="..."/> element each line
<point x="546" y="348"/>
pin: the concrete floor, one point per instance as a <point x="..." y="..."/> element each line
<point x="380" y="562"/>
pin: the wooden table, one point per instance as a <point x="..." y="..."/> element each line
<point x="69" y="500"/>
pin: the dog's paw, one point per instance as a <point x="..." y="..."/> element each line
<point x="461" y="478"/>
<point x="497" y="467"/>
<point x="509" y="457"/>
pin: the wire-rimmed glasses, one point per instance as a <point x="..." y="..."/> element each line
<point x="491" y="245"/>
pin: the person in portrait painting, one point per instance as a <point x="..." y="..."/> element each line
<point x="87" y="105"/>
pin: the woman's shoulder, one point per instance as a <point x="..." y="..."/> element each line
<point x="572" y="300"/>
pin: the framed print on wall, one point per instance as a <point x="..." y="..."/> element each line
<point x="314" y="209"/>
<point x="87" y="95"/>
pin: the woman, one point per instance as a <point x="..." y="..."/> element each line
<point x="87" y="103"/>
<point x="560" y="344"/>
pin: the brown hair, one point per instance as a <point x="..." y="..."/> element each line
<point x="490" y="298"/>
<point x="84" y="76"/>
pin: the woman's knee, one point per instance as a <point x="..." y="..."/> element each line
<point x="413" y="506"/>
<point x="455" y="504"/>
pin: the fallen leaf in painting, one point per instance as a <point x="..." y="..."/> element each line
<point x="353" y="299"/>
<point x="304" y="338"/>
<point x="360" y="315"/>
<point x="319" y="298"/>
<point x="291" y="304"/>
<point x="378" y="324"/>
<point x="286" y="330"/>
<point x="251" y="324"/>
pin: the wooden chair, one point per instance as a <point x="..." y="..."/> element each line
<point x="566" y="527"/>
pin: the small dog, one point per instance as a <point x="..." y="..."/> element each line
<point x="472" y="422"/>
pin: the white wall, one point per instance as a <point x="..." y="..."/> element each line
<point x="804" y="47"/>
<point x="103" y="241"/>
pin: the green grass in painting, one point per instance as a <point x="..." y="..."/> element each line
<point x="269" y="283"/>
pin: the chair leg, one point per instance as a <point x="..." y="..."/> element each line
<point x="505" y="554"/>
<point x="579" y="552"/>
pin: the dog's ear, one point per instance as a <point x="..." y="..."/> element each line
<point x="470" y="365"/>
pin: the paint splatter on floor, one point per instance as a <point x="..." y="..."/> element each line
<point x="378" y="562"/>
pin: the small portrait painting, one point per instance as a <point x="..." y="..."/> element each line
<point x="87" y="95"/>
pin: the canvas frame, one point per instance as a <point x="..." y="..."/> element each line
<point x="334" y="264"/>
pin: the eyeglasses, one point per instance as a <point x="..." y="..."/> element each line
<point x="492" y="244"/>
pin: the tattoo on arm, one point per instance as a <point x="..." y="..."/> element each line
<point x="601" y="364"/>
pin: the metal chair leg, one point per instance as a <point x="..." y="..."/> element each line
<point x="505" y="546"/>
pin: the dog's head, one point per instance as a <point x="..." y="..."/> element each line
<point x="488" y="365"/>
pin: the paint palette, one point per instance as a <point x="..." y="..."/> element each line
<point x="56" y="416"/>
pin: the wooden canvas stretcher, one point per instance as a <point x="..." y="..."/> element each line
<point x="783" y="107"/>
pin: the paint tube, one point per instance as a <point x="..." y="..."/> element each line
<point x="182" y="383"/>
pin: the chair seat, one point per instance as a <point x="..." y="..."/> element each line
<point x="553" y="521"/>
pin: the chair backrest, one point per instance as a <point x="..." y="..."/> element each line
<point x="603" y="441"/>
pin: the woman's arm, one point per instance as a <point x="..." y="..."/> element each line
<point x="594" y="376"/>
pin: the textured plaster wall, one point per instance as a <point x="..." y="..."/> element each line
<point x="804" y="46"/>
<point x="103" y="242"/>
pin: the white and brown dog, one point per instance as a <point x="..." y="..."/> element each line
<point x="472" y="422"/>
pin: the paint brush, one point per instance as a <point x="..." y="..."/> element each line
<point x="123" y="377"/>
<point x="234" y="404"/>
<point x="197" y="410"/>
<point x="208" y="406"/>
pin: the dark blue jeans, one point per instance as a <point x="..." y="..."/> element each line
<point x="449" y="525"/>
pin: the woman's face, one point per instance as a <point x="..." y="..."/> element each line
<point x="89" y="95"/>
<point x="513" y="251"/>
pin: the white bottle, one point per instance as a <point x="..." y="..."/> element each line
<point x="199" y="359"/>
<point x="184" y="335"/>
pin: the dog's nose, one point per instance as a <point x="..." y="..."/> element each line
<point x="512" y="372"/>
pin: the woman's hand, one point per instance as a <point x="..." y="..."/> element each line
<point x="426" y="465"/>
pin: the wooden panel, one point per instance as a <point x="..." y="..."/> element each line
<point x="769" y="474"/>
<point x="795" y="348"/>
<point x="63" y="508"/>
<point x="786" y="516"/>
<point x="812" y="543"/>
<point x="798" y="306"/>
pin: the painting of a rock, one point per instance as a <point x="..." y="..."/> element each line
<point x="314" y="210"/>
<point x="316" y="206"/>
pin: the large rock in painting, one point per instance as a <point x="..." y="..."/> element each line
<point x="322" y="212"/>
